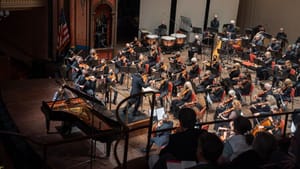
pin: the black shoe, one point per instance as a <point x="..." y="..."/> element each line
<point x="114" y="102"/>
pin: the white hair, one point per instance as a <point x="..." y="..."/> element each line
<point x="231" y="92"/>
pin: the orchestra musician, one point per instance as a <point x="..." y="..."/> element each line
<point x="89" y="85"/>
<point x="282" y="72"/>
<point x="163" y="88"/>
<point x="104" y="69"/>
<point x="92" y="58"/>
<point x="185" y="96"/>
<point x="230" y="30"/>
<point x="284" y="93"/>
<point x="214" y="23"/>
<point x="141" y="63"/>
<point x="81" y="79"/>
<point x="161" y="139"/>
<point x="195" y="48"/>
<point x="261" y="97"/>
<point x="111" y="80"/>
<point x="205" y="80"/>
<point x="176" y="63"/>
<point x="161" y="66"/>
<point x="136" y="87"/>
<point x="226" y="104"/>
<point x="122" y="61"/>
<point x="274" y="45"/>
<point x="195" y="70"/>
<point x="234" y="74"/>
<point x="215" y="94"/>
<point x="282" y="37"/>
<point x="264" y="108"/>
<point x="153" y="56"/>
<point x="180" y="80"/>
<point x="214" y="67"/>
<point x="262" y="73"/>
<point x="229" y="113"/>
<point x="244" y="85"/>
<point x="76" y="70"/>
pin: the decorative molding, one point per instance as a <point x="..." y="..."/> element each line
<point x="21" y="4"/>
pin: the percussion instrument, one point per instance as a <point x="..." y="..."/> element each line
<point x="144" y="33"/>
<point x="180" y="38"/>
<point x="168" y="41"/>
<point x="151" y="38"/>
<point x="261" y="126"/>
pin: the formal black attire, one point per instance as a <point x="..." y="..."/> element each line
<point x="262" y="73"/>
<point x="175" y="105"/>
<point x="163" y="90"/>
<point x="89" y="87"/>
<point x="215" y="24"/>
<point x="195" y="48"/>
<point x="136" y="87"/>
<point x="194" y="72"/>
<point x="182" y="146"/>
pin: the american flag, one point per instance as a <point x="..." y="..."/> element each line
<point x="63" y="37"/>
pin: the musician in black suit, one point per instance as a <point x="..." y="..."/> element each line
<point x="185" y="96"/>
<point x="214" y="23"/>
<point x="163" y="88"/>
<point x="182" y="145"/>
<point x="195" y="47"/>
<point x="262" y="72"/>
<point x="282" y="37"/>
<point x="136" y="87"/>
<point x="195" y="71"/>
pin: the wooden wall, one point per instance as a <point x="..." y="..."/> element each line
<point x="272" y="14"/>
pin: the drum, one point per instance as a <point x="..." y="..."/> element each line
<point x="168" y="41"/>
<point x="262" y="126"/>
<point x="180" y="38"/>
<point x="151" y="39"/>
<point x="144" y="33"/>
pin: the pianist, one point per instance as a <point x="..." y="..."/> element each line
<point x="60" y="94"/>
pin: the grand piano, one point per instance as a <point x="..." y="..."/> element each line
<point x="86" y="113"/>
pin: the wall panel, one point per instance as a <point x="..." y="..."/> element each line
<point x="225" y="9"/>
<point x="153" y="12"/>
<point x="194" y="9"/>
<point x="272" y="14"/>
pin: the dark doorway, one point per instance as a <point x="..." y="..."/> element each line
<point x="128" y="20"/>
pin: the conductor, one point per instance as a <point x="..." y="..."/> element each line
<point x="138" y="82"/>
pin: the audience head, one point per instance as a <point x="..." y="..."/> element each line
<point x="187" y="118"/>
<point x="264" y="144"/>
<point x="216" y="16"/>
<point x="242" y="125"/>
<point x="209" y="148"/>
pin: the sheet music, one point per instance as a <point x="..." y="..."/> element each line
<point x="149" y="89"/>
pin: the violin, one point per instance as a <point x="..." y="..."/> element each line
<point x="84" y="66"/>
<point x="226" y="101"/>
<point x="225" y="113"/>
